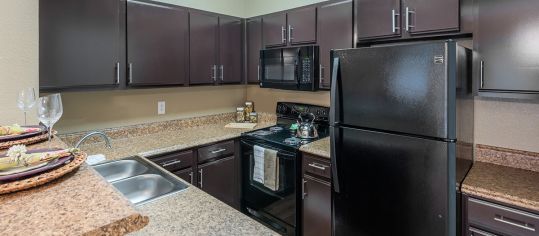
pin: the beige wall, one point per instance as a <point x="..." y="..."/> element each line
<point x="18" y="55"/>
<point x="227" y="7"/>
<point x="266" y="99"/>
<point x="104" y="109"/>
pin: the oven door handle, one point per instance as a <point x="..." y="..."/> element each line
<point x="280" y="152"/>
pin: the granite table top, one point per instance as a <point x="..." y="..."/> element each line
<point x="319" y="148"/>
<point x="80" y="203"/>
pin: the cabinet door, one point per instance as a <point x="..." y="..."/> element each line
<point x="274" y="29"/>
<point x="218" y="179"/>
<point x="335" y="31"/>
<point x="230" y="50"/>
<point x="378" y="19"/>
<point x="507" y="45"/>
<point x="431" y="16"/>
<point x="316" y="207"/>
<point x="157" y="45"/>
<point x="186" y="175"/>
<point x="254" y="45"/>
<point x="203" y="48"/>
<point x="80" y="43"/>
<point x="302" y="26"/>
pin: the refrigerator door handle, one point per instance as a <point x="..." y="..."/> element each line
<point x="334" y="140"/>
<point x="335" y="97"/>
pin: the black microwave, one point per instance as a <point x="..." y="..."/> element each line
<point x="294" y="68"/>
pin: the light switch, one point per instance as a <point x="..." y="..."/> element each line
<point x="161" y="108"/>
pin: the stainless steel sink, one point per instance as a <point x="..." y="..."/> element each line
<point x="117" y="170"/>
<point x="139" y="180"/>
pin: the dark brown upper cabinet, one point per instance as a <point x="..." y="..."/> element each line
<point x="378" y="19"/>
<point x="218" y="179"/>
<point x="274" y="30"/>
<point x="433" y="16"/>
<point x="203" y="33"/>
<point x="302" y="26"/>
<point x="254" y="45"/>
<point x="230" y="50"/>
<point x="157" y="45"/>
<point x="335" y="31"/>
<point x="506" y="50"/>
<point x="81" y="44"/>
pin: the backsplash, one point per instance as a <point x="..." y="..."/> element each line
<point x="507" y="157"/>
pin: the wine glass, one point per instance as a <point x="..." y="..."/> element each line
<point x="49" y="111"/>
<point x="26" y="100"/>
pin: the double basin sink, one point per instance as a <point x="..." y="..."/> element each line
<point x="138" y="180"/>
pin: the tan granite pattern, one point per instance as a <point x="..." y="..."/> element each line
<point x="194" y="212"/>
<point x="507" y="157"/>
<point x="80" y="203"/>
<point x="319" y="148"/>
<point x="504" y="184"/>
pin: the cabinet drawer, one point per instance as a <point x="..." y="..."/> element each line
<point x="502" y="219"/>
<point x="317" y="166"/>
<point x="215" y="151"/>
<point x="175" y="161"/>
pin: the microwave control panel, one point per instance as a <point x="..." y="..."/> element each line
<point x="306" y="73"/>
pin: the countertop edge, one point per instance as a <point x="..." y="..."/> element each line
<point x="123" y="226"/>
<point x="498" y="197"/>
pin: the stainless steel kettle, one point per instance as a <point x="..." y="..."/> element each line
<point x="306" y="127"/>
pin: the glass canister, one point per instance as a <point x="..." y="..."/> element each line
<point x="240" y="114"/>
<point x="249" y="107"/>
<point x="253" y="117"/>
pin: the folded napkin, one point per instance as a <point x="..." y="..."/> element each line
<point x="16" y="130"/>
<point x="17" y="157"/>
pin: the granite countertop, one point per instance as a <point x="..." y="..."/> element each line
<point x="504" y="184"/>
<point x="319" y="148"/>
<point x="80" y="203"/>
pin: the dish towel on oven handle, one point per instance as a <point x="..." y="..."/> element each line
<point x="271" y="169"/>
<point x="258" y="169"/>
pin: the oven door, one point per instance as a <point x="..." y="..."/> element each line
<point x="280" y="68"/>
<point x="277" y="209"/>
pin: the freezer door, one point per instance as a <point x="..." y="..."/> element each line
<point x="403" y="88"/>
<point x="393" y="185"/>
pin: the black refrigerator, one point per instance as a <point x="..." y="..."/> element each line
<point x="401" y="138"/>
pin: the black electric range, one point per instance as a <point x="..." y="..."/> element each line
<point x="278" y="209"/>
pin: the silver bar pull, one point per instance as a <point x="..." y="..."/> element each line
<point x="258" y="72"/>
<point x="303" y="193"/>
<point x="318" y="166"/>
<point x="117" y="72"/>
<point x="290" y="28"/>
<point x="130" y="73"/>
<point x="508" y="221"/>
<point x="394" y="16"/>
<point x="191" y="176"/>
<point x="408" y="13"/>
<point x="218" y="151"/>
<point x="214" y="72"/>
<point x="222" y="72"/>
<point x="482" y="74"/>
<point x="201" y="172"/>
<point x="174" y="162"/>
<point x="283" y="34"/>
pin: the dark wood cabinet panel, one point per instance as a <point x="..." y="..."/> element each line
<point x="378" y="19"/>
<point x="157" y="45"/>
<point x="188" y="175"/>
<point x="218" y="179"/>
<point x="274" y="30"/>
<point x="335" y="31"/>
<point x="80" y="44"/>
<point x="431" y="16"/>
<point x="506" y="46"/>
<point x="316" y="207"/>
<point x="203" y="32"/>
<point x="230" y="50"/>
<point x="254" y="45"/>
<point x="302" y="25"/>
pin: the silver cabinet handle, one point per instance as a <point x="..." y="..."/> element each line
<point x="130" y="73"/>
<point x="318" y="166"/>
<point x="218" y="151"/>
<point x="290" y="28"/>
<point x="201" y="172"/>
<point x="394" y="16"/>
<point x="480" y="232"/>
<point x="214" y="73"/>
<point x="117" y="72"/>
<point x="258" y="72"/>
<point x="506" y="220"/>
<point x="303" y="193"/>
<point x="173" y="162"/>
<point x="408" y="13"/>
<point x="191" y="176"/>
<point x="482" y="74"/>
<point x="283" y="32"/>
<point x="222" y="72"/>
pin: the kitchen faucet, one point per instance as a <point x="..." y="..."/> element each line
<point x="107" y="140"/>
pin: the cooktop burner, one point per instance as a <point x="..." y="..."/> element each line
<point x="276" y="128"/>
<point x="262" y="133"/>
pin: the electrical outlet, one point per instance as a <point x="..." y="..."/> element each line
<point x="161" y="108"/>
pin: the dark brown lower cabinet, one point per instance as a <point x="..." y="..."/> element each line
<point x="188" y="175"/>
<point x="217" y="178"/>
<point x="316" y="206"/>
